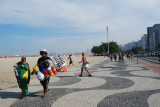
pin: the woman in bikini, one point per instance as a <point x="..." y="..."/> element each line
<point x="84" y="65"/>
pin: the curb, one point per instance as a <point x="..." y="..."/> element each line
<point x="150" y="60"/>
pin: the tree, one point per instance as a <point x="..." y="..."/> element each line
<point x="113" y="47"/>
<point x="136" y="50"/>
<point x="95" y="50"/>
<point x="103" y="48"/>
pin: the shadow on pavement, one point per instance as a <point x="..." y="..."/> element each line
<point x="5" y="95"/>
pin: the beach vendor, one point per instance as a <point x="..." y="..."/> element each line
<point x="22" y="72"/>
<point x="84" y="65"/>
<point x="43" y="63"/>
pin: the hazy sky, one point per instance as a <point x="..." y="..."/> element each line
<point x="72" y="25"/>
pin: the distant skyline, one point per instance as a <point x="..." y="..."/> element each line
<point x="72" y="25"/>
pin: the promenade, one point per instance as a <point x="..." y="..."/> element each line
<point x="113" y="84"/>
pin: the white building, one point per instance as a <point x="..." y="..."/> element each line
<point x="152" y="42"/>
<point x="129" y="46"/>
<point x="144" y="42"/>
<point x="153" y="37"/>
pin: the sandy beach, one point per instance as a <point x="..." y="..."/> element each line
<point x="7" y="76"/>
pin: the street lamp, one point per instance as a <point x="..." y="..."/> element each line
<point x="137" y="53"/>
<point x="107" y="39"/>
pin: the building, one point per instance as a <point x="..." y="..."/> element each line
<point x="120" y="46"/>
<point x="139" y="43"/>
<point x="148" y="42"/>
<point x="129" y="46"/>
<point x="157" y="36"/>
<point x="144" y="41"/>
<point x="153" y="36"/>
<point x="149" y="33"/>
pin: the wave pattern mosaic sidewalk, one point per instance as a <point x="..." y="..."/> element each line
<point x="113" y="84"/>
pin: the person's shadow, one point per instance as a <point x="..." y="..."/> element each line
<point x="5" y="95"/>
<point x="17" y="95"/>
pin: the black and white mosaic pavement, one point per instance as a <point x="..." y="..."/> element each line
<point x="113" y="84"/>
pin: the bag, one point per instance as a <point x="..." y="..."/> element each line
<point x="35" y="69"/>
<point x="40" y="76"/>
<point x="86" y="62"/>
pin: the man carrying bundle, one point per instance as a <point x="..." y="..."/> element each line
<point x="43" y="63"/>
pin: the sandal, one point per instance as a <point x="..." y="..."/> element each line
<point x="80" y="75"/>
<point x="89" y="75"/>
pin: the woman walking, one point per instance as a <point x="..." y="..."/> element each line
<point x="84" y="65"/>
<point x="23" y="76"/>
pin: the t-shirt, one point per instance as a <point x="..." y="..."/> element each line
<point x="43" y="63"/>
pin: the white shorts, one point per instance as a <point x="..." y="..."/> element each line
<point x="84" y="66"/>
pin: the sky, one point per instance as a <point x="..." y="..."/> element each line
<point x="27" y="26"/>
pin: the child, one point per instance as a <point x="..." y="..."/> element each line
<point x="70" y="60"/>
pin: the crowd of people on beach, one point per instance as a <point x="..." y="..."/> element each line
<point x="23" y="73"/>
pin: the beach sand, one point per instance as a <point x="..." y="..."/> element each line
<point x="7" y="76"/>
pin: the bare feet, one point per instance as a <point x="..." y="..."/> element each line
<point x="45" y="93"/>
<point x="43" y="97"/>
<point x="22" y="96"/>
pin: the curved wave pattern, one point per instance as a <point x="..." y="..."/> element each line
<point x="111" y="81"/>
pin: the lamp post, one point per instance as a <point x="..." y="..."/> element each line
<point x="107" y="39"/>
<point x="137" y="54"/>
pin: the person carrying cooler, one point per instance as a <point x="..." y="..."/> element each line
<point x="84" y="65"/>
<point x="22" y="73"/>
